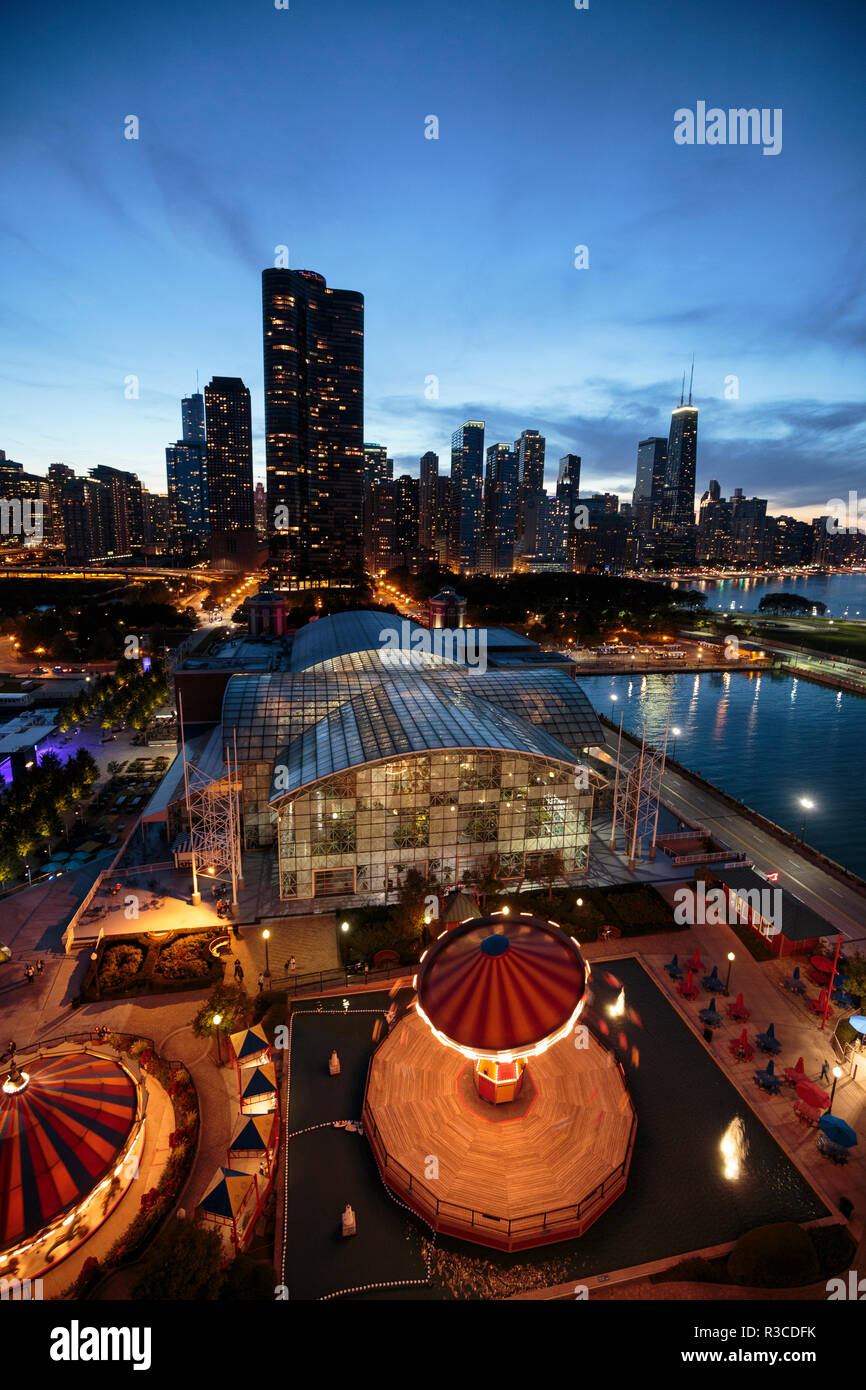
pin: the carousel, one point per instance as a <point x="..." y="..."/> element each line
<point x="71" y="1136"/>
<point x="491" y="1110"/>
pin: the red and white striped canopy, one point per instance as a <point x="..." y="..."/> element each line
<point x="501" y="984"/>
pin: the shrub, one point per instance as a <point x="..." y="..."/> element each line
<point x="780" y="1256"/>
<point x="119" y="964"/>
<point x="186" y="958"/>
<point x="694" y="1270"/>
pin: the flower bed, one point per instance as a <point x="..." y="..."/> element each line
<point x="180" y="961"/>
<point x="157" y="1202"/>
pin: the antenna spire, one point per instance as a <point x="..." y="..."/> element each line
<point x="691" y="378"/>
<point x="683" y="391"/>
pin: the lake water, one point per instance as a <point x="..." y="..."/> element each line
<point x="844" y="594"/>
<point x="766" y="739"/>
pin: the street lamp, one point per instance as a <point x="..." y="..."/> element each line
<point x="267" y="936"/>
<point x="808" y="805"/>
<point x="344" y="926"/>
<point x="217" y="1020"/>
<point x="731" y="959"/>
<point x="837" y="1072"/>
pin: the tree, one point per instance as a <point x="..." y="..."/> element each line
<point x="223" y="999"/>
<point x="185" y="1262"/>
<point x="779" y="1256"/>
<point x="789" y="605"/>
<point x="247" y="1279"/>
<point x="551" y="867"/>
<point x="409" y="908"/>
<point x="488" y="879"/>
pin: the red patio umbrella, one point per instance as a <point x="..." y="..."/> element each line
<point x="807" y="1112"/>
<point x="741" y="1047"/>
<point x="812" y="1094"/>
<point x="738" y="1008"/>
<point x="696" y="963"/>
<point x="687" y="986"/>
<point x="821" y="965"/>
<point x="795" y="1074"/>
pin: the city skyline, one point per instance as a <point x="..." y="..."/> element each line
<point x="590" y="358"/>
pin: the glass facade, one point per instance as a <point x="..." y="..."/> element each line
<point x="442" y="813"/>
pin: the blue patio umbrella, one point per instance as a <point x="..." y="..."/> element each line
<point x="858" y="1023"/>
<point x="838" y="1131"/>
<point x="796" y="975"/>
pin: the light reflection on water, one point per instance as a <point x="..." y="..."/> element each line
<point x="767" y="740"/>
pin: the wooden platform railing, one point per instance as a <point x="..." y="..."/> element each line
<point x="437" y="1211"/>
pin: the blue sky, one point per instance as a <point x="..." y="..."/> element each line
<point x="305" y="127"/>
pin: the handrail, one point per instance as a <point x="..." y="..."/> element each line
<point x="472" y="1216"/>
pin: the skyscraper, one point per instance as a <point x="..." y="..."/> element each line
<point x="568" y="494"/>
<point x="652" y="457"/>
<point x="429" y="472"/>
<point x="186" y="472"/>
<point x="467" y="466"/>
<point x="192" y="415"/>
<point x="529" y="449"/>
<point x="500" y="502"/>
<point x="314" y="422"/>
<point x="230" y="471"/>
<point x="378" y="468"/>
<point x="123" y="527"/>
<point x="678" y="503"/>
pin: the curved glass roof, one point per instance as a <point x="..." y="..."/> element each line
<point x="269" y="712"/>
<point x="393" y="718"/>
<point x="356" y="641"/>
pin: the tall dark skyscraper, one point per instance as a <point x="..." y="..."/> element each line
<point x="529" y="449"/>
<point x="652" y="459"/>
<point x="568" y="495"/>
<point x="192" y="415"/>
<point x="314" y="423"/>
<point x="378" y="468"/>
<point x="186" y="472"/>
<point x="467" y="468"/>
<point x="230" y="470"/>
<point x="500" y="504"/>
<point x="678" y="503"/>
<point x="123" y="527"/>
<point x="429" y="472"/>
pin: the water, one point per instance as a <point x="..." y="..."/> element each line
<point x="684" y="1192"/>
<point x="766" y="739"/>
<point x="844" y="594"/>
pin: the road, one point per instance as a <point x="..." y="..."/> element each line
<point x="840" y="905"/>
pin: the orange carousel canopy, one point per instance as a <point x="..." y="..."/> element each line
<point x="499" y="987"/>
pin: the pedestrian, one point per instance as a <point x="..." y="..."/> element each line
<point x="39" y="966"/>
<point x="292" y="965"/>
<point x="825" y="1071"/>
<point x="366" y="970"/>
<point x="239" y="971"/>
<point x="10" y="1048"/>
<point x="261" y="982"/>
<point x="29" y="974"/>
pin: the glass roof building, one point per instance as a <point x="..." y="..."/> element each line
<point x="358" y="766"/>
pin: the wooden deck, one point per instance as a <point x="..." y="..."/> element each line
<point x="498" y="1176"/>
